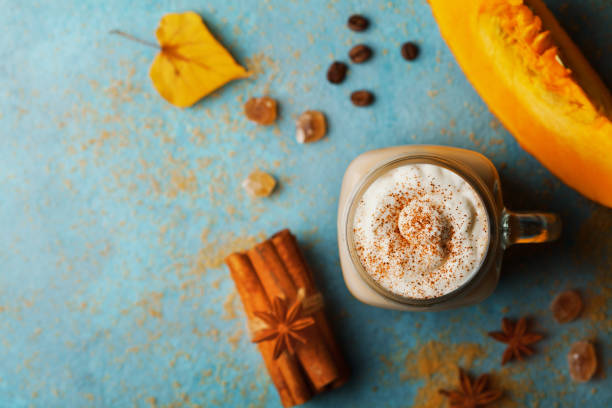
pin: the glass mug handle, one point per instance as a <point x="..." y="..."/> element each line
<point x="524" y="227"/>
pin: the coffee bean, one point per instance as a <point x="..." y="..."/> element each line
<point x="358" y="22"/>
<point x="360" y="53"/>
<point x="362" y="98"/>
<point x="337" y="72"/>
<point x="410" y="51"/>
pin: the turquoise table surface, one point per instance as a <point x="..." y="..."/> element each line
<point x="117" y="209"/>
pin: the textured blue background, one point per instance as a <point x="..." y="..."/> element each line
<point x="116" y="209"/>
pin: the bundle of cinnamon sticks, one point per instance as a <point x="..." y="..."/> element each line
<point x="286" y="318"/>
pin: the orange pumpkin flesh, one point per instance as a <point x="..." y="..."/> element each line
<point x="536" y="81"/>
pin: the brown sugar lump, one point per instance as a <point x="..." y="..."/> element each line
<point x="261" y="110"/>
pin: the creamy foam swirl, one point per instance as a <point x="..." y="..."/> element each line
<point x="421" y="231"/>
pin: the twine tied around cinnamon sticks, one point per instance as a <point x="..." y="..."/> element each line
<point x="275" y="272"/>
<point x="309" y="305"/>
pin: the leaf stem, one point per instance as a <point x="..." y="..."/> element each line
<point x="131" y="37"/>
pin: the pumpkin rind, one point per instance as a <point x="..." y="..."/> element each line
<point x="536" y="81"/>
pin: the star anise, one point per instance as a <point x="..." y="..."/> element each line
<point x="472" y="394"/>
<point x="283" y="326"/>
<point x="517" y="338"/>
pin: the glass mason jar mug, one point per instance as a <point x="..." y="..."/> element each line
<point x="504" y="227"/>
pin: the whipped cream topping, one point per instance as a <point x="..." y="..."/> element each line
<point x="421" y="231"/>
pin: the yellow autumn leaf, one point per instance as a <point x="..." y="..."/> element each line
<point x="191" y="63"/>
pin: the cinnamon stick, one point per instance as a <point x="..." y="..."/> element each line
<point x="285" y="371"/>
<point x="314" y="355"/>
<point x="289" y="251"/>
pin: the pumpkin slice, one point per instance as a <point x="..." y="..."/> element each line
<point x="537" y="82"/>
